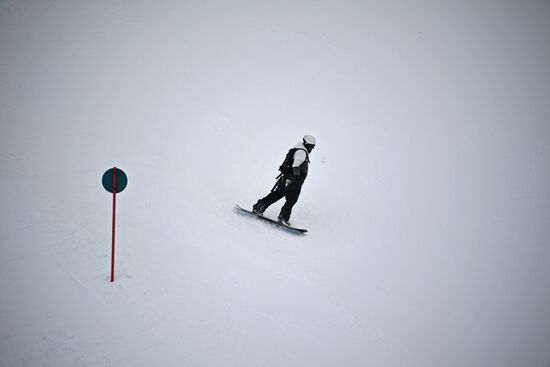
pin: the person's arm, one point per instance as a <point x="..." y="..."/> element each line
<point x="299" y="157"/>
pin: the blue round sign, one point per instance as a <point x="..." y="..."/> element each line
<point x="108" y="180"/>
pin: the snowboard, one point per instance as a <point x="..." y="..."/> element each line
<point x="272" y="221"/>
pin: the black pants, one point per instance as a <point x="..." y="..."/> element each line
<point x="290" y="192"/>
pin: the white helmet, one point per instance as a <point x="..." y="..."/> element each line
<point x="310" y="140"/>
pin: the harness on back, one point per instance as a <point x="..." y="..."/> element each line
<point x="286" y="167"/>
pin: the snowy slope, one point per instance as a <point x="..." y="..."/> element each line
<point x="427" y="203"/>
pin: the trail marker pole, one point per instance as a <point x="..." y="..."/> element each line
<point x="114" y="219"/>
<point x="114" y="180"/>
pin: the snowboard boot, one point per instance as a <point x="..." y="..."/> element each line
<point x="283" y="220"/>
<point x="259" y="207"/>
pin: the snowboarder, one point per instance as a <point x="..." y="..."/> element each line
<point x="289" y="184"/>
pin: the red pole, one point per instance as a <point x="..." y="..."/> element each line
<point x="114" y="211"/>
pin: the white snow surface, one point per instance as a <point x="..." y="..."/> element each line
<point x="427" y="203"/>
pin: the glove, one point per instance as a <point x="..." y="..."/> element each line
<point x="289" y="181"/>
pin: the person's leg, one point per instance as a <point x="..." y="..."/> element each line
<point x="292" y="193"/>
<point x="262" y="204"/>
